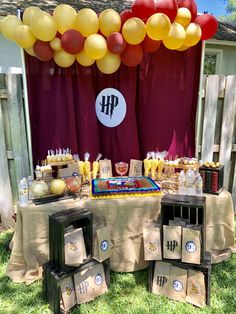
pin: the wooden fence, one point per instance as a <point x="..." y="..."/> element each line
<point x="216" y="138"/>
<point x="14" y="161"/>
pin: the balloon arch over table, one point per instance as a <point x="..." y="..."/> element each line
<point x="108" y="38"/>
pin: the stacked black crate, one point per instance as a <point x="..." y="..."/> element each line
<point x="61" y="280"/>
<point x="186" y="213"/>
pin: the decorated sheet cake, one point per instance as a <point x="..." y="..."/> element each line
<point x="124" y="186"/>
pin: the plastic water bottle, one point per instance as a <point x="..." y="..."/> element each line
<point x="181" y="183"/>
<point x="198" y="184"/>
<point x="23" y="192"/>
<point x="190" y="178"/>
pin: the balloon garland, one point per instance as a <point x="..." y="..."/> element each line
<point x="108" y="38"/>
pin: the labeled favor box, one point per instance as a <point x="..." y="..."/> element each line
<point x="64" y="290"/>
<point x="63" y="223"/>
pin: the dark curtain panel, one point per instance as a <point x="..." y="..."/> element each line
<point x="161" y="97"/>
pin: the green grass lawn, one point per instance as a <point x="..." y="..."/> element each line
<point x="128" y="293"/>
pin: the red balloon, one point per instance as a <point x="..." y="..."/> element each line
<point x="72" y="41"/>
<point x="143" y="8"/>
<point x="132" y="55"/>
<point x="43" y="51"/>
<point x="167" y="7"/>
<point x="208" y="24"/>
<point x="116" y="43"/>
<point x="189" y="4"/>
<point x="150" y="45"/>
<point x="125" y="15"/>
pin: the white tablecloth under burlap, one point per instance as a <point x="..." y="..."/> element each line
<point x="126" y="217"/>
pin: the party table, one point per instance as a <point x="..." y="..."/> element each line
<point x="125" y="217"/>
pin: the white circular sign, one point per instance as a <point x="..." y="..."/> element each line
<point x="190" y="247"/>
<point x="177" y="285"/>
<point x="110" y="107"/>
<point x="98" y="279"/>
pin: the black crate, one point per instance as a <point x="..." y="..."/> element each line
<point x="204" y="268"/>
<point x="213" y="179"/>
<point x="52" y="279"/>
<point x="192" y="208"/>
<point x="78" y="218"/>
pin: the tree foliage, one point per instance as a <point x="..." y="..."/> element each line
<point x="231" y="10"/>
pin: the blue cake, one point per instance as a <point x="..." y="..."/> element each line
<point x="124" y="185"/>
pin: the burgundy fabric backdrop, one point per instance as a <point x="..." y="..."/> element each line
<point x="161" y="97"/>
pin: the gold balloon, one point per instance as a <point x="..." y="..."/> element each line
<point x="134" y="31"/>
<point x="183" y="17"/>
<point x="30" y="51"/>
<point x="84" y="59"/>
<point x="55" y="44"/>
<point x="176" y="37"/>
<point x="29" y="13"/>
<point x="193" y="34"/>
<point x="109" y="64"/>
<point x="86" y="22"/>
<point x="65" y="17"/>
<point x="8" y="26"/>
<point x="63" y="58"/>
<point x="43" y="26"/>
<point x="24" y="36"/>
<point x="183" y="48"/>
<point x="158" y="26"/>
<point x="109" y="22"/>
<point x="95" y="46"/>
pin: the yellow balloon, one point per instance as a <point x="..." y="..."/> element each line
<point x="95" y="46"/>
<point x="134" y="31"/>
<point x="55" y="44"/>
<point x="29" y="14"/>
<point x="65" y="17"/>
<point x="8" y="26"/>
<point x="43" y="26"/>
<point x="86" y="22"/>
<point x="158" y="26"/>
<point x="30" y="51"/>
<point x="84" y="59"/>
<point x="183" y="17"/>
<point x="176" y="37"/>
<point x="63" y="58"/>
<point x="24" y="36"/>
<point x="193" y="34"/>
<point x="109" y="22"/>
<point x="183" y="48"/>
<point x="109" y="64"/>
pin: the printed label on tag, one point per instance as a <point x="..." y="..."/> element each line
<point x="177" y="285"/>
<point x="98" y="279"/>
<point x="104" y="245"/>
<point x="190" y="247"/>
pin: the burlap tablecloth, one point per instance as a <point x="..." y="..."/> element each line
<point x="126" y="217"/>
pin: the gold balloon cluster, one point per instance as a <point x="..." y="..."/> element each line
<point x="38" y="26"/>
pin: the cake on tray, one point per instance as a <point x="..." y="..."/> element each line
<point x="124" y="186"/>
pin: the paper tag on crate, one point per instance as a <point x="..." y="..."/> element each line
<point x="75" y="251"/>
<point x="172" y="242"/>
<point x="102" y="244"/>
<point x="196" y="289"/>
<point x="135" y="168"/>
<point x="178" y="284"/>
<point x="84" y="286"/>
<point x="161" y="278"/>
<point x="152" y="241"/>
<point x="98" y="279"/>
<point x="67" y="294"/>
<point x="191" y="246"/>
<point x="105" y="168"/>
